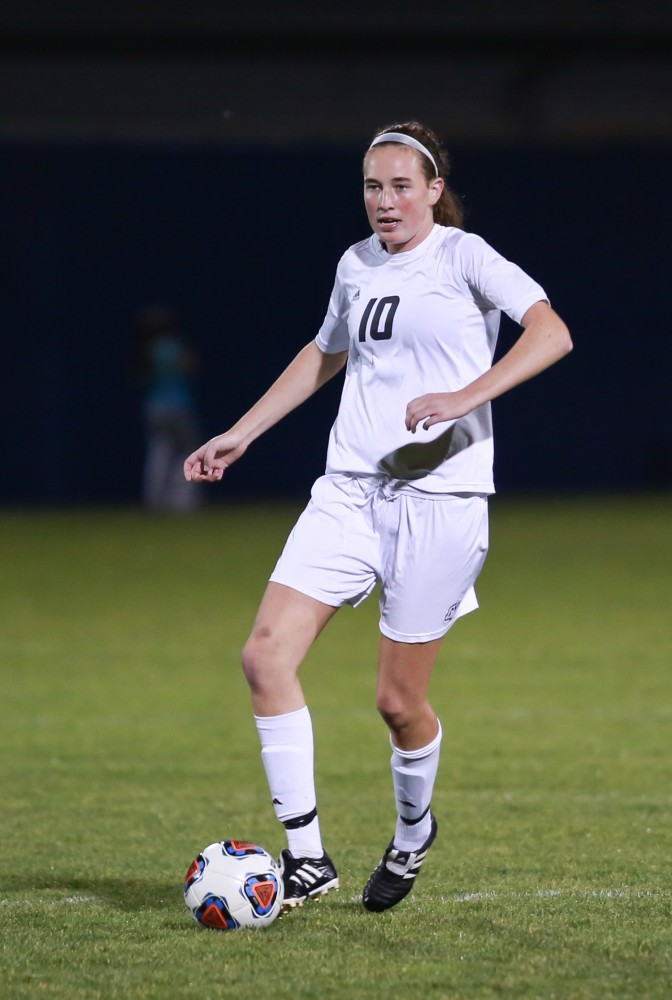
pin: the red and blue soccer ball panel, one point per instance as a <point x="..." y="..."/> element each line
<point x="214" y="912"/>
<point x="241" y="848"/>
<point x="195" y="873"/>
<point x="262" y="892"/>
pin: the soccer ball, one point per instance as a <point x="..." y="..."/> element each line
<point x="234" y="884"/>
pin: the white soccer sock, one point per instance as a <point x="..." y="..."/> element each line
<point x="413" y="775"/>
<point x="287" y="755"/>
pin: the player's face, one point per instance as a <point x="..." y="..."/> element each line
<point x="399" y="200"/>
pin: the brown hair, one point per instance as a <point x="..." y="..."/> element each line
<point x="448" y="209"/>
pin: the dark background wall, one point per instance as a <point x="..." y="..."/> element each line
<point x="208" y="157"/>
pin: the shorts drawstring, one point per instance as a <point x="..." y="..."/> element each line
<point x="381" y="491"/>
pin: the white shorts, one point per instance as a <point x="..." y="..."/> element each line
<point x="425" y="551"/>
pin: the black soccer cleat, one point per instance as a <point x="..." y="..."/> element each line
<point x="306" y="878"/>
<point x="393" y="879"/>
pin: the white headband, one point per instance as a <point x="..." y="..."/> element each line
<point x="406" y="140"/>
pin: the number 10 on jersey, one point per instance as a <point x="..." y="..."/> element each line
<point x="380" y="327"/>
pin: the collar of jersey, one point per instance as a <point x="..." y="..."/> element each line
<point x="399" y="259"/>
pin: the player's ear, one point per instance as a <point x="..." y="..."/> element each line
<point x="436" y="190"/>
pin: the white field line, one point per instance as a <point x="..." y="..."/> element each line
<point x="37" y="901"/>
<point x="469" y="897"/>
<point x="477" y="897"/>
<point x="466" y="897"/>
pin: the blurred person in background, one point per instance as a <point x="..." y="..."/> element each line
<point x="166" y="366"/>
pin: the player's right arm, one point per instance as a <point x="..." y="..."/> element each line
<point x="307" y="373"/>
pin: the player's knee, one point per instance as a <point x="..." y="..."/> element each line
<point x="266" y="661"/>
<point x="257" y="660"/>
<point x="396" y="711"/>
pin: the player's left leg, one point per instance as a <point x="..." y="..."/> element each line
<point x="433" y="550"/>
<point x="404" y="673"/>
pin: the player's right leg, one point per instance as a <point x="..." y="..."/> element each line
<point x="287" y="624"/>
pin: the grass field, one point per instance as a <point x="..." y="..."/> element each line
<point x="127" y="745"/>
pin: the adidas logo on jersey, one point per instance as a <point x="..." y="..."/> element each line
<point x="355" y="296"/>
<point x="450" y="614"/>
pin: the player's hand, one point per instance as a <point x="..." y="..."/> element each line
<point x="435" y="408"/>
<point x="209" y="462"/>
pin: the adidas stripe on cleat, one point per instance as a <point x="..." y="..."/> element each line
<point x="395" y="874"/>
<point x="306" y="878"/>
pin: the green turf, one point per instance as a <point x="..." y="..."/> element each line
<point x="127" y="745"/>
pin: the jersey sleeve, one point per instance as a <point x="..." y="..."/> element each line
<point x="333" y="335"/>
<point x="496" y="282"/>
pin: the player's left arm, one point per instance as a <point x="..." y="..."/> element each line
<point x="545" y="339"/>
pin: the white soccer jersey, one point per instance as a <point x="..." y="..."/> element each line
<point x="419" y="321"/>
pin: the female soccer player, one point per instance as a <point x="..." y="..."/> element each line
<point x="414" y="312"/>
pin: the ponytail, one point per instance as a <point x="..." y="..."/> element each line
<point x="448" y="209"/>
